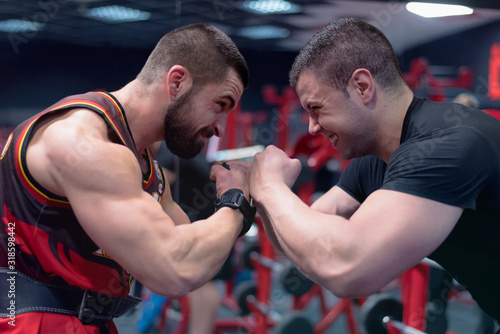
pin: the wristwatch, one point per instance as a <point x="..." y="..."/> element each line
<point x="234" y="199"/>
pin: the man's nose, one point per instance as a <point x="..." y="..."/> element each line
<point x="219" y="127"/>
<point x="314" y="126"/>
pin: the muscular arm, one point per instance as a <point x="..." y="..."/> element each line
<point x="335" y="202"/>
<point x="388" y="234"/>
<point x="103" y="182"/>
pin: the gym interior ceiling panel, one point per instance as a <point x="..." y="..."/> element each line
<point x="143" y="22"/>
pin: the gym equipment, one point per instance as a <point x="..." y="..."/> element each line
<point x="329" y="315"/>
<point x="244" y="153"/>
<point x="376" y="308"/>
<point x="493" y="112"/>
<point x="294" y="323"/>
<point x="414" y="284"/>
<point x="175" y="316"/>
<point x="253" y="297"/>
<point x="294" y="282"/>
<point x="286" y="103"/>
<point x="381" y="313"/>
<point x="403" y="329"/>
<point x="494" y="77"/>
<point x="290" y="323"/>
<point x="317" y="151"/>
<point x="241" y="293"/>
<point x="149" y="309"/>
<point x="434" y="79"/>
<point x="249" y="254"/>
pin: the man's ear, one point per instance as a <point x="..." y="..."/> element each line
<point x="177" y="81"/>
<point x="363" y="85"/>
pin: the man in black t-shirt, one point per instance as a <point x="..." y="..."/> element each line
<point x="426" y="184"/>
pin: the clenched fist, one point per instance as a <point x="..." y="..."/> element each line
<point x="230" y="174"/>
<point x="272" y="167"/>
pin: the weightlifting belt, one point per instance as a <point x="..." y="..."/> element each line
<point x="22" y="294"/>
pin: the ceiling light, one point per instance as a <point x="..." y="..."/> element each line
<point x="270" y="6"/>
<point x="15" y="26"/>
<point x="263" y="32"/>
<point x="437" y="10"/>
<point x="115" y="14"/>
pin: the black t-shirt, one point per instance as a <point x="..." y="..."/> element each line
<point x="451" y="154"/>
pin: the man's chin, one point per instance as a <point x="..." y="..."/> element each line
<point x="187" y="153"/>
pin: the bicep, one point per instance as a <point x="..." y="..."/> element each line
<point x="104" y="187"/>
<point x="395" y="230"/>
<point x="336" y="202"/>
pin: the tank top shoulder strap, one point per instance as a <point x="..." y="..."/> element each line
<point x="102" y="103"/>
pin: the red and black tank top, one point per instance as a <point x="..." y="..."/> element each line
<point x="40" y="235"/>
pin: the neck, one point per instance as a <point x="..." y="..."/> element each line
<point x="143" y="114"/>
<point x="391" y="125"/>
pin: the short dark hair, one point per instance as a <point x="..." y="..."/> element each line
<point x="204" y="50"/>
<point x="342" y="47"/>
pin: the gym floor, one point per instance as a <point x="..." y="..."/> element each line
<point x="463" y="316"/>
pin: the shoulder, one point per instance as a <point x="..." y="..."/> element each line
<point x="456" y="143"/>
<point x="450" y="166"/>
<point x="81" y="132"/>
<point x="367" y="166"/>
<point x="75" y="146"/>
<point x="362" y="177"/>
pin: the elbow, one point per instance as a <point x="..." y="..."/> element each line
<point x="170" y="292"/>
<point x="172" y="286"/>
<point x="344" y="281"/>
<point x="171" y="280"/>
<point x="176" y="277"/>
<point x="352" y="288"/>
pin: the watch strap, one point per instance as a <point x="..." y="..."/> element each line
<point x="235" y="199"/>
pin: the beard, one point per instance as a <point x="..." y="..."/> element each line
<point x="179" y="134"/>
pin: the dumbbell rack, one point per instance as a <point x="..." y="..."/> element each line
<point x="414" y="284"/>
<point x="258" y="320"/>
<point x="422" y="76"/>
<point x="262" y="317"/>
<point x="328" y="315"/>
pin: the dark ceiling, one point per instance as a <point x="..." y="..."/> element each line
<point x="66" y="21"/>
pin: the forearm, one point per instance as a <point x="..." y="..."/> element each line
<point x="336" y="201"/>
<point x="268" y="228"/>
<point x="317" y="243"/>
